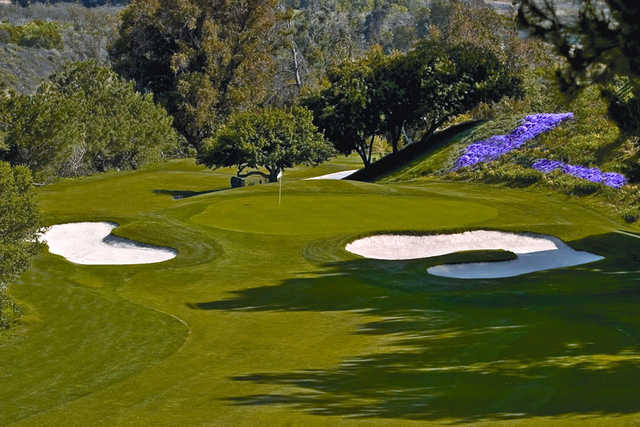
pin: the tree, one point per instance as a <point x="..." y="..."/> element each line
<point x="601" y="43"/>
<point x="203" y="59"/>
<point x="347" y="111"/>
<point x="86" y="119"/>
<point x="385" y="94"/>
<point x="272" y="139"/>
<point x="19" y="225"/>
<point x="436" y="81"/>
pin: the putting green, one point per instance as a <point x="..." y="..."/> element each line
<point x="264" y="319"/>
<point x="338" y="213"/>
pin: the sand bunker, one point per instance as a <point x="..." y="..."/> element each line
<point x="91" y="243"/>
<point x="535" y="252"/>
<point x="336" y="175"/>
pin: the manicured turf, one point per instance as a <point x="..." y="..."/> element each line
<point x="264" y="319"/>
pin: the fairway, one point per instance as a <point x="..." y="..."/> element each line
<point x="263" y="317"/>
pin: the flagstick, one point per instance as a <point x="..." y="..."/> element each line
<point x="280" y="192"/>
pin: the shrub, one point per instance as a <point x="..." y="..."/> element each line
<point x="19" y="224"/>
<point x="37" y="34"/>
<point x="87" y="119"/>
<point x="631" y="214"/>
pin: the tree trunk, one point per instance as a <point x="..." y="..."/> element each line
<point x="373" y="138"/>
<point x="273" y="174"/>
<point x="296" y="61"/>
<point x="396" y="132"/>
<point x="362" y="152"/>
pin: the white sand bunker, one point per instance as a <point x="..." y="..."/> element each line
<point x="92" y="243"/>
<point x="335" y="175"/>
<point x="535" y="252"/>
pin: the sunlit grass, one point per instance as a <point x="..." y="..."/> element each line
<point x="264" y="319"/>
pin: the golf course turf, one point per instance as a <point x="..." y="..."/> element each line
<point x="264" y="318"/>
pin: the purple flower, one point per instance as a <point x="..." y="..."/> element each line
<point x="544" y="165"/>
<point x="496" y="146"/>
<point x="614" y="180"/>
<point x="610" y="179"/>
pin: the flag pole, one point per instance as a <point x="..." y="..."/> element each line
<point x="280" y="191"/>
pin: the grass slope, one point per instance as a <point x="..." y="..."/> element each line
<point x="414" y="153"/>
<point x="264" y="319"/>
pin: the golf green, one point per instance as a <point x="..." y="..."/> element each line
<point x="264" y="319"/>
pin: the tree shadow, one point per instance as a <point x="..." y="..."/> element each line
<point x="183" y="194"/>
<point x="555" y="343"/>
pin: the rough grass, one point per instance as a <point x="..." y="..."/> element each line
<point x="265" y="319"/>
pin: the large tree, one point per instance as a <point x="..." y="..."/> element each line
<point x="203" y="59"/>
<point x="347" y="110"/>
<point x="600" y="40"/>
<point x="436" y="81"/>
<point x="272" y="139"/>
<point x="19" y="225"/>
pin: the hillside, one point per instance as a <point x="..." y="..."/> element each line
<point x="84" y="33"/>
<point x="589" y="142"/>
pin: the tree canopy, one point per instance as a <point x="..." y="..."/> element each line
<point x="346" y="111"/>
<point x="19" y="225"/>
<point x="385" y="94"/>
<point x="86" y="119"/>
<point x="203" y="60"/>
<point x="272" y="139"/>
<point x="437" y="81"/>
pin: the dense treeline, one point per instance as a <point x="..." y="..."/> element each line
<point x="203" y="61"/>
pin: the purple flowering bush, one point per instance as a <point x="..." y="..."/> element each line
<point x="532" y="126"/>
<point x="610" y="179"/>
<point x="491" y="148"/>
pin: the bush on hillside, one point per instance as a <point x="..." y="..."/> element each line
<point x="85" y="34"/>
<point x="35" y="34"/>
<point x="86" y="119"/>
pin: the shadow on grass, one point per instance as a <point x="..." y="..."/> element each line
<point x="183" y="194"/>
<point x="562" y="342"/>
